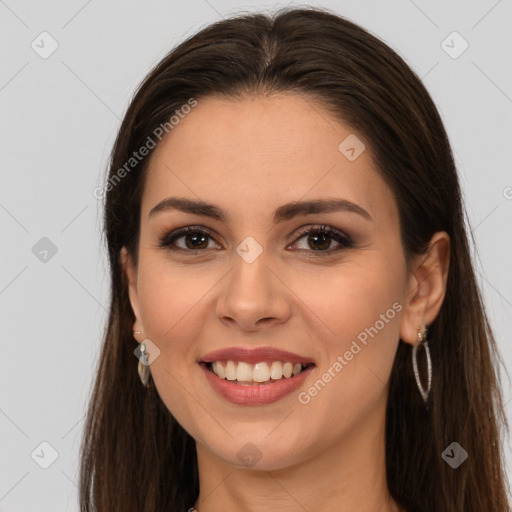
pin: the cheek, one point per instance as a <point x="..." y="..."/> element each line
<point x="170" y="300"/>
<point x="351" y="299"/>
<point x="360" y="309"/>
<point x="170" y="303"/>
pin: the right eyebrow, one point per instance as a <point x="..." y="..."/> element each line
<point x="282" y="213"/>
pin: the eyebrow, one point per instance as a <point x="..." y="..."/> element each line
<point x="283" y="213"/>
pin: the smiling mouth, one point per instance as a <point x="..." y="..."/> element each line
<point x="263" y="373"/>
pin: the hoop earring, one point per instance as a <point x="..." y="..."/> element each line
<point x="143" y="366"/>
<point x="422" y="341"/>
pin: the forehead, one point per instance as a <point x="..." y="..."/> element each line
<point x="263" y="151"/>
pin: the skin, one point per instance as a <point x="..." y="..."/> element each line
<point x="249" y="157"/>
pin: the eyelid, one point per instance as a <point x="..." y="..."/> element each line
<point x="345" y="241"/>
<point x="169" y="237"/>
<point x="331" y="232"/>
<point x="307" y="228"/>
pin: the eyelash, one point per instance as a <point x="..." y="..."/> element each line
<point x="344" y="240"/>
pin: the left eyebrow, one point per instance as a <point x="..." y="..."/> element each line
<point x="282" y="213"/>
<point x="290" y="210"/>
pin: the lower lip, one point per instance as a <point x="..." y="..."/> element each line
<point x="258" y="394"/>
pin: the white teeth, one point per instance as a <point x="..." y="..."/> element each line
<point x="276" y="370"/>
<point x="287" y="370"/>
<point x="244" y="372"/>
<point x="230" y="370"/>
<point x="260" y="372"/>
<point x="219" y="369"/>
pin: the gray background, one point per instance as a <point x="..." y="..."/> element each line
<point x="59" y="118"/>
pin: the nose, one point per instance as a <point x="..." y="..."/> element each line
<point x="253" y="295"/>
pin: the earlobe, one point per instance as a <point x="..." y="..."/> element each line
<point x="129" y="270"/>
<point x="427" y="287"/>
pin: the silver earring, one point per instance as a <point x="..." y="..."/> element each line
<point x="143" y="366"/>
<point x="422" y="340"/>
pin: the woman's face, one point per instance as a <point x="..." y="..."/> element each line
<point x="256" y="280"/>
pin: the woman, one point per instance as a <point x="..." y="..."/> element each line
<point x="290" y="267"/>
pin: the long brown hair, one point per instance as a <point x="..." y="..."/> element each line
<point x="134" y="455"/>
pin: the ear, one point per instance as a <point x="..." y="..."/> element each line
<point x="426" y="287"/>
<point x="130" y="271"/>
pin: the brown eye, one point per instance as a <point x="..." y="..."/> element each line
<point x="319" y="239"/>
<point x="194" y="239"/>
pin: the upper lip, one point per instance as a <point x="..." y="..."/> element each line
<point x="254" y="355"/>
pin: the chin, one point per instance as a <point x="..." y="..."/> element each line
<point x="265" y="455"/>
